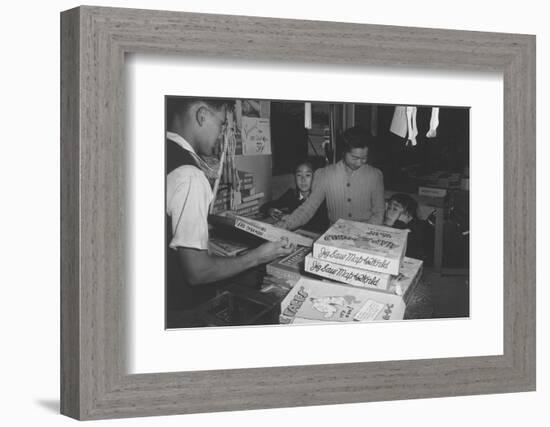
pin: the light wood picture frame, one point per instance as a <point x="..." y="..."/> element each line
<point x="94" y="42"/>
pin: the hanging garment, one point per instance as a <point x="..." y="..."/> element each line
<point x="399" y="122"/>
<point x="403" y="123"/>
<point x="411" y="125"/>
<point x="434" y="123"/>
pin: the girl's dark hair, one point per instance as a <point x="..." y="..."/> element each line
<point x="313" y="162"/>
<point x="308" y="163"/>
<point x="409" y="204"/>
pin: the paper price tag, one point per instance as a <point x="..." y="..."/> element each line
<point x="369" y="311"/>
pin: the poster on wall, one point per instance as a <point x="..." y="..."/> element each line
<point x="256" y="136"/>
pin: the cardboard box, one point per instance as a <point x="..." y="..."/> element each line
<point x="290" y="266"/>
<point x="271" y="233"/>
<point x="346" y="274"/>
<point x="361" y="245"/>
<point x="315" y="301"/>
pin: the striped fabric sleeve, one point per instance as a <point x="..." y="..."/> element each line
<point x="377" y="199"/>
<point x="307" y="209"/>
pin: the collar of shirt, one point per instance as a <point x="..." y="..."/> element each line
<point x="346" y="171"/>
<point x="180" y="141"/>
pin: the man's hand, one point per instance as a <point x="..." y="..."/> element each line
<point x="201" y="268"/>
<point x="272" y="250"/>
<point x="275" y="214"/>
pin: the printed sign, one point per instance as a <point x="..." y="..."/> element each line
<point x="256" y="136"/>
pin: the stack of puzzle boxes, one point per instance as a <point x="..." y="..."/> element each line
<point x="283" y="273"/>
<point x="376" y="279"/>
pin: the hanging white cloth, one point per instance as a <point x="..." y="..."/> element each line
<point x="307" y="115"/>
<point x="403" y="123"/>
<point x="399" y="122"/>
<point x="434" y="123"/>
<point x="411" y="125"/>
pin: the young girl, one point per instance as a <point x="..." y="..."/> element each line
<point x="294" y="197"/>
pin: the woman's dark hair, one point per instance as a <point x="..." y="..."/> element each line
<point x="355" y="137"/>
<point x="409" y="204"/>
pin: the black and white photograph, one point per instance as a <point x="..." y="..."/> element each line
<point x="286" y="212"/>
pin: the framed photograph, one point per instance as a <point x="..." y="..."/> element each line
<point x="262" y="213"/>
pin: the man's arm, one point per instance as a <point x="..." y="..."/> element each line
<point x="202" y="268"/>
<point x="188" y="196"/>
<point x="378" y="202"/>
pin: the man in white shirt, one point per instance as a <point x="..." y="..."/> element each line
<point x="194" y="126"/>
